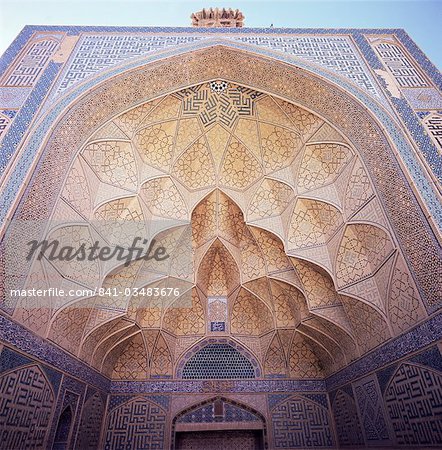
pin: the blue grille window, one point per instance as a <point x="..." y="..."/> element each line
<point x="218" y="361"/>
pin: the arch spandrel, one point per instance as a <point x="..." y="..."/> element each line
<point x="201" y="409"/>
<point x="321" y="120"/>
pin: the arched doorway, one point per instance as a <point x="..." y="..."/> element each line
<point x="217" y="424"/>
<point x="62" y="434"/>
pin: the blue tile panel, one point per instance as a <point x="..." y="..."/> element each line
<point x="24" y="340"/>
<point x="215" y="386"/>
<point x="95" y="53"/>
<point x="419" y="337"/>
<point x="36" y="347"/>
<point x="26" y="114"/>
<point x="117" y="400"/>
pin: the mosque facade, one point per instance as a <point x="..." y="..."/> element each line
<point x="288" y="182"/>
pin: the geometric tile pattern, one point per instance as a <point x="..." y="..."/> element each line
<point x="267" y="386"/>
<point x="90" y="426"/>
<point x="96" y="52"/>
<point x="186" y="321"/>
<point x="346" y="418"/>
<point x="307" y="45"/>
<point x="304" y="362"/>
<point x="275" y="362"/>
<point x="400" y="65"/>
<point x="313" y="223"/>
<point x="369" y="400"/>
<point x="299" y="423"/>
<point x="25" y="408"/>
<point x="334" y="52"/>
<point x="161" y="361"/>
<point x="217" y="313"/>
<point x="271" y="199"/>
<point x="249" y="315"/>
<point x="137" y="423"/>
<point x="371" y="326"/>
<point x="30" y="100"/>
<point x="5" y="122"/>
<point x="226" y="106"/>
<point x="113" y="162"/>
<point x="132" y="363"/>
<point x="28" y="69"/>
<point x="321" y="164"/>
<point x="404" y="306"/>
<point x="164" y="199"/>
<point x="362" y="250"/>
<point x="433" y="125"/>
<point x="413" y="402"/>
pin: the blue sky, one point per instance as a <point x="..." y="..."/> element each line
<point x="421" y="19"/>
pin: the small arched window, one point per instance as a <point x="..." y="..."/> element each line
<point x="61" y="440"/>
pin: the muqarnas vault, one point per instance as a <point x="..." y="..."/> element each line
<point x="294" y="175"/>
